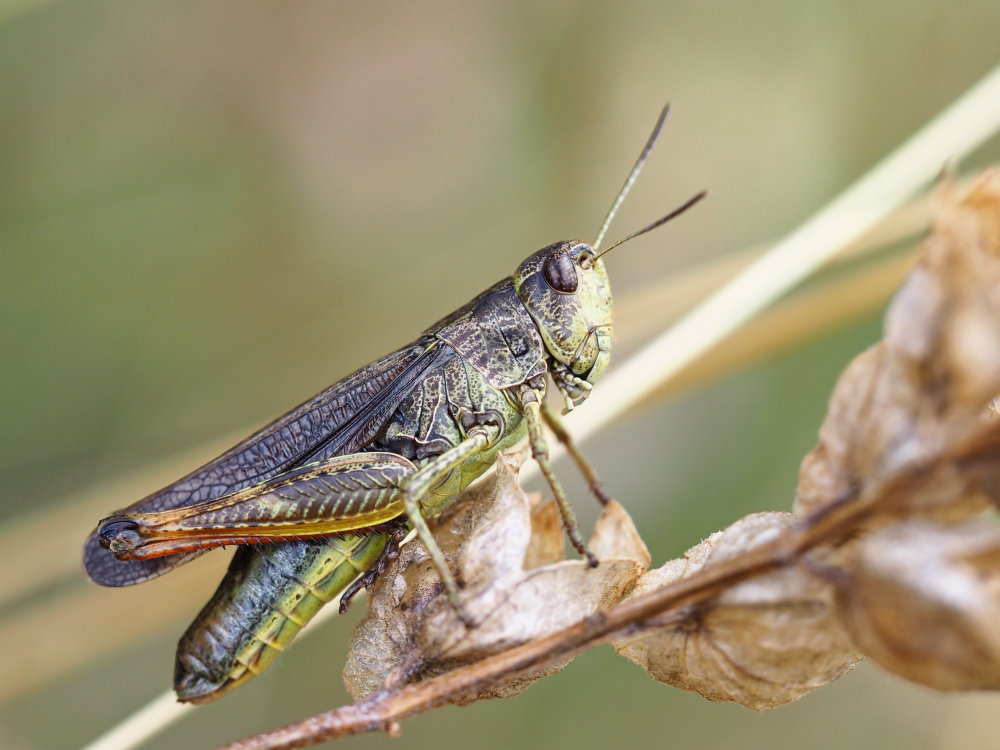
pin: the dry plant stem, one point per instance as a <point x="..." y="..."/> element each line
<point x="145" y="723"/>
<point x="792" y="322"/>
<point x="384" y="710"/>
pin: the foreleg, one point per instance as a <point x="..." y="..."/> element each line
<point x="555" y="423"/>
<point x="531" y="401"/>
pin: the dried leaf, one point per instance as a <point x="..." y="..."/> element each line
<point x="761" y="643"/>
<point x="493" y="542"/>
<point x="548" y="545"/>
<point x="906" y="413"/>
<point x="924" y="602"/>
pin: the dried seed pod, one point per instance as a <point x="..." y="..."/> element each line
<point x="923" y="600"/>
<point x="761" y="643"/>
<point x="907" y="414"/>
<point x="515" y="588"/>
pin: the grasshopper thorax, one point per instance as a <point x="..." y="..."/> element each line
<point x="565" y="290"/>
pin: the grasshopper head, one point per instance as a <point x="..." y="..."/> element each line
<point x="565" y="289"/>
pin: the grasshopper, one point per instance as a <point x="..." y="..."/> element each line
<point x="342" y="478"/>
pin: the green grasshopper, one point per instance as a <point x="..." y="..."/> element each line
<point x="342" y="478"/>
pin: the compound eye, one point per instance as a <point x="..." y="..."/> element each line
<point x="559" y="272"/>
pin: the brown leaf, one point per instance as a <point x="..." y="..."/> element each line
<point x="923" y="601"/>
<point x="761" y="643"/>
<point x="548" y="545"/>
<point x="493" y="542"/>
<point x="905" y="413"/>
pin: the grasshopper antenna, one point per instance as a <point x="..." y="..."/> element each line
<point x="649" y="227"/>
<point x="639" y="164"/>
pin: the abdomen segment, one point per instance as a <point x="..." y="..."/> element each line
<point x="268" y="595"/>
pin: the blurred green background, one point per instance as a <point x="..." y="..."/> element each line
<point x="211" y="210"/>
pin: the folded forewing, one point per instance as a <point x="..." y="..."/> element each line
<point x="341" y="419"/>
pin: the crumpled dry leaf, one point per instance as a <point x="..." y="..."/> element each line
<point x="547" y="542"/>
<point x="907" y="413"/>
<point x="515" y="588"/>
<point x="923" y="601"/>
<point x="762" y="643"/>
